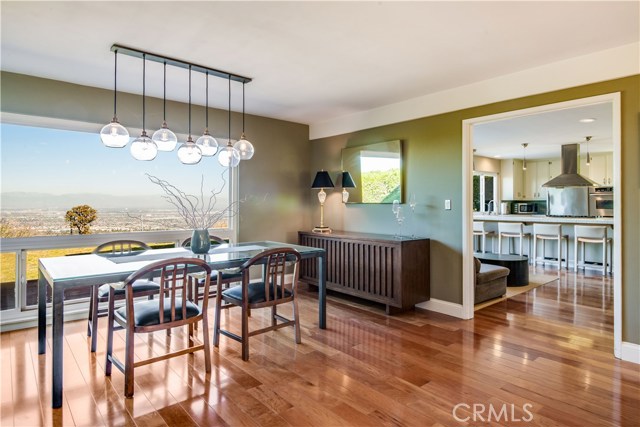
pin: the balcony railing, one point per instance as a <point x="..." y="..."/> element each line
<point x="18" y="293"/>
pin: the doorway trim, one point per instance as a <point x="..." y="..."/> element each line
<point x="467" y="200"/>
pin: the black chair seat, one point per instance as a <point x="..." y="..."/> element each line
<point x="147" y="313"/>
<point x="138" y="286"/>
<point x="226" y="275"/>
<point x="255" y="292"/>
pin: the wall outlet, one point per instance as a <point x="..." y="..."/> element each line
<point x="447" y="205"/>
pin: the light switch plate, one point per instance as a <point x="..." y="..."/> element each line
<point x="447" y="204"/>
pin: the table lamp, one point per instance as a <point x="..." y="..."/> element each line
<point x="347" y="182"/>
<point x="322" y="181"/>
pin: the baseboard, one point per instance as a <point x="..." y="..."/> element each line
<point x="443" y="307"/>
<point x="630" y="352"/>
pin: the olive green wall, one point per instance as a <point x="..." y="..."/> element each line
<point x="433" y="171"/>
<point x="276" y="177"/>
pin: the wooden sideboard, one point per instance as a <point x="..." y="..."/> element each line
<point x="376" y="267"/>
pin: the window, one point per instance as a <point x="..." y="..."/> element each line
<point x="485" y="191"/>
<point x="46" y="172"/>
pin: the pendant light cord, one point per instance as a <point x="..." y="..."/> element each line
<point x="189" y="101"/>
<point x="206" y="110"/>
<point x="164" y="95"/>
<point x="144" y="70"/>
<point x="229" y="110"/>
<point x="115" y="84"/>
<point x="243" y="108"/>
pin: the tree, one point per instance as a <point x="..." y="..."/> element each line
<point x="81" y="217"/>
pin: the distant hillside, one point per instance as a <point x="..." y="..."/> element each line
<point x="21" y="200"/>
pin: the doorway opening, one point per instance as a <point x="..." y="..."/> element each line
<point x="468" y="198"/>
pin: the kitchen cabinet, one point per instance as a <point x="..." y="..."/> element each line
<point x="601" y="168"/>
<point x="512" y="179"/>
<point x="538" y="172"/>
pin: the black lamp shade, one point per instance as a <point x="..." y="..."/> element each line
<point x="322" y="180"/>
<point x="347" y="180"/>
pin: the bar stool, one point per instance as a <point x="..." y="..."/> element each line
<point x="512" y="230"/>
<point x="592" y="234"/>
<point x="480" y="231"/>
<point x="546" y="232"/>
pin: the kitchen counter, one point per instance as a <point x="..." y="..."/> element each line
<point x="542" y="219"/>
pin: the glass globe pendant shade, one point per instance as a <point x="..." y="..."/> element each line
<point x="229" y="156"/>
<point x="143" y="148"/>
<point x="114" y="135"/>
<point x="189" y="153"/>
<point x="164" y="138"/>
<point x="208" y="145"/>
<point x="244" y="147"/>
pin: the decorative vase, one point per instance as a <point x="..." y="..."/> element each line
<point x="200" y="243"/>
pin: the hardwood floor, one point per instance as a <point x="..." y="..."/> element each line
<point x="541" y="358"/>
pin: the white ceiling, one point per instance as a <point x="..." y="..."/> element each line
<point x="311" y="61"/>
<point x="545" y="133"/>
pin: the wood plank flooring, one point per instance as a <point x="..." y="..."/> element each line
<point x="542" y="358"/>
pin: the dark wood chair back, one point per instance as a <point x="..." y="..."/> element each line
<point x="276" y="264"/>
<point x="175" y="307"/>
<point x="121" y="247"/>
<point x="215" y="241"/>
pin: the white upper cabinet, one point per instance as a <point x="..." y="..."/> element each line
<point x="512" y="179"/>
<point x="601" y="168"/>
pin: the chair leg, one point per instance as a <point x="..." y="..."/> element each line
<point x="216" y="321"/>
<point x="605" y="248"/>
<point x="205" y="341"/>
<point x="296" y="319"/>
<point x="499" y="243"/>
<point x="575" y="254"/>
<point x="245" y="332"/>
<point x="274" y="312"/>
<point x="128" y="363"/>
<point x="535" y="251"/>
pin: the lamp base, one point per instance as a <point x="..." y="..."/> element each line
<point x="321" y="229"/>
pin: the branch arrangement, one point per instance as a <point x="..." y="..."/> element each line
<point x="197" y="212"/>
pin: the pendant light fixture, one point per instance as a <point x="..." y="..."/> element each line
<point x="189" y="153"/>
<point x="229" y="156"/>
<point x="208" y="144"/>
<point x="588" y="138"/>
<point x="143" y="148"/>
<point x="243" y="145"/>
<point x="114" y="134"/>
<point x="524" y="156"/>
<point x="164" y="138"/>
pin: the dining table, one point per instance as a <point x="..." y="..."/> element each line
<point x="67" y="272"/>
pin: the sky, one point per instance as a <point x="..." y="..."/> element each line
<point x="53" y="161"/>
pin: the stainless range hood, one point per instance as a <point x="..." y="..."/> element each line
<point x="569" y="176"/>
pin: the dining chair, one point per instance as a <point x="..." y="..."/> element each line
<point x="271" y="291"/>
<point x="228" y="276"/>
<point x="173" y="308"/>
<point x="101" y="293"/>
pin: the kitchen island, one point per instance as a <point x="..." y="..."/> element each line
<point x="593" y="253"/>
<point x="543" y="219"/>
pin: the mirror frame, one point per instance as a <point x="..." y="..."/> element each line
<point x="351" y="162"/>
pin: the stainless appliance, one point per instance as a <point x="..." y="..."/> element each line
<point x="568" y="201"/>
<point x="570" y="176"/>
<point x="504" y="208"/>
<point x="526" y="208"/>
<point x="601" y="201"/>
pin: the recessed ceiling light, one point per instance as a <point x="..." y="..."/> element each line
<point x="589" y="120"/>
<point x="497" y="156"/>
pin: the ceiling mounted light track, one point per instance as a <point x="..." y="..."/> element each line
<point x="190" y="152"/>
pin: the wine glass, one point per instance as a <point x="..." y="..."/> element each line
<point x="395" y="206"/>
<point x="400" y="220"/>
<point x="412" y="205"/>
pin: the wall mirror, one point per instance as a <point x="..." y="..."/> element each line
<point x="376" y="170"/>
